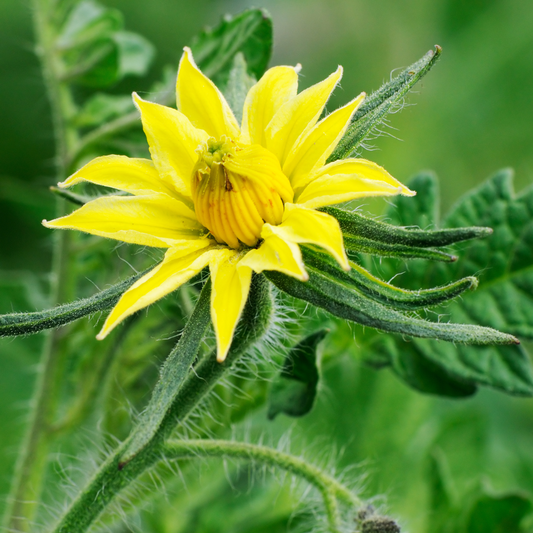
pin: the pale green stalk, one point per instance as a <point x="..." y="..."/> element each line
<point x="330" y="489"/>
<point x="27" y="481"/>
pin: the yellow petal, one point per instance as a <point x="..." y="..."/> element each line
<point x="180" y="264"/>
<point x="173" y="141"/>
<point x="307" y="226"/>
<point x="276" y="254"/>
<point x="276" y="87"/>
<point x="136" y="176"/>
<point x="347" y="180"/>
<point x="200" y="100"/>
<point x="230" y="287"/>
<point x="298" y="116"/>
<point x="156" y="220"/>
<point x="261" y="167"/>
<point x="312" y="151"/>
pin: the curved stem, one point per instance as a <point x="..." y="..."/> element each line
<point x="115" y="475"/>
<point x="328" y="486"/>
<point x="29" y="470"/>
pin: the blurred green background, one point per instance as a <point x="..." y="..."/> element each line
<point x="472" y="115"/>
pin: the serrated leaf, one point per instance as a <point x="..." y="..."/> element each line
<point x="504" y="298"/>
<point x="249" y="32"/>
<point x="294" y="390"/>
<point x="380" y="103"/>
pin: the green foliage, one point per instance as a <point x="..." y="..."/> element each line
<point x="294" y="389"/>
<point x="239" y="83"/>
<point x="478" y="510"/>
<point x="503" y="262"/>
<point x="376" y="107"/>
<point x="96" y="51"/>
<point x="249" y="33"/>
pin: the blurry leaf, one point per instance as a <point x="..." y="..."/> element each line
<point x="249" y="33"/>
<point x="376" y="107"/>
<point x="498" y="514"/>
<point x="293" y="391"/>
<point x="504" y="299"/>
<point x="135" y="53"/>
<point x="102" y="108"/>
<point x="239" y="83"/>
<point x="96" y="52"/>
<point x="88" y="22"/>
<point x="417" y="371"/>
<point x="95" y="65"/>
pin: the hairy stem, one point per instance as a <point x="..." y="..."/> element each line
<point x="29" y="470"/>
<point x="115" y="475"/>
<point x="328" y="486"/>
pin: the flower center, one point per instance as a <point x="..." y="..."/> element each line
<point x="236" y="189"/>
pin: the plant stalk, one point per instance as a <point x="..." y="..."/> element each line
<point x="29" y="471"/>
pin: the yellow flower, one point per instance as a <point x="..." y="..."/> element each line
<point x="238" y="199"/>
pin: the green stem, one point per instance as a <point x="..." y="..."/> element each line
<point x="328" y="486"/>
<point x="27" y="481"/>
<point x="115" y="475"/>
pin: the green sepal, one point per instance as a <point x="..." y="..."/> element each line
<point x="382" y="292"/>
<point x="27" y="323"/>
<point x="293" y="391"/>
<point x="72" y="197"/>
<point x="357" y="226"/>
<point x="357" y="245"/>
<point x="249" y="32"/>
<point x="173" y="374"/>
<point x="379" y="103"/>
<point x="328" y="293"/>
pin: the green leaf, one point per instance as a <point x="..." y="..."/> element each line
<point x="135" y="54"/>
<point x="15" y="324"/>
<point x="294" y="390"/>
<point x="103" y="107"/>
<point x="249" y="32"/>
<point x="376" y="107"/>
<point x="504" y="298"/>
<point x="96" y="52"/>
<point x="419" y="372"/>
<point x="89" y="22"/>
<point x="239" y="83"/>
<point x="498" y="513"/>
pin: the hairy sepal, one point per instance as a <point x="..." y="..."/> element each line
<point x="343" y="301"/>
<point x="27" y="323"/>
<point x="380" y="103"/>
<point x="385" y="293"/>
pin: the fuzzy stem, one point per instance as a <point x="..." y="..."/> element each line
<point x="29" y="471"/>
<point x="328" y="486"/>
<point x="114" y="475"/>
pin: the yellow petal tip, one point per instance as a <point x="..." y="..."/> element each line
<point x="222" y="354"/>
